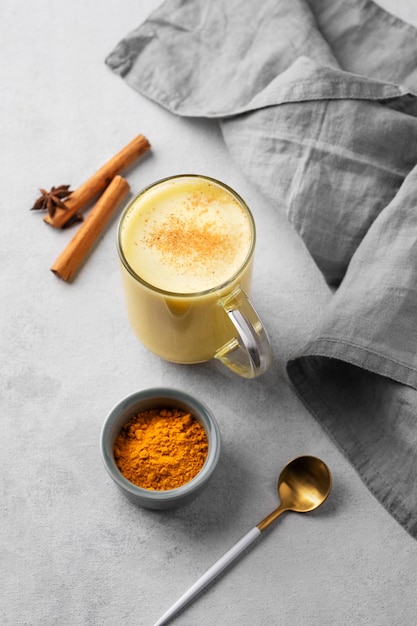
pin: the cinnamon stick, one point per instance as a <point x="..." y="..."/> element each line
<point x="74" y="254"/>
<point x="98" y="181"/>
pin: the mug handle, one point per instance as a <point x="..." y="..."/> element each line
<point x="249" y="354"/>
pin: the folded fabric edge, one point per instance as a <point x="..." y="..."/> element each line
<point x="313" y="400"/>
<point x="304" y="80"/>
<point x="363" y="357"/>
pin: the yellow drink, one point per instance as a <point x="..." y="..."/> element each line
<point x="184" y="243"/>
<point x="186" y="248"/>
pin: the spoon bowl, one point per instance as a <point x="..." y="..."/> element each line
<point x="304" y="484"/>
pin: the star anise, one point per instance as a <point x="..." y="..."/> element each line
<point x="51" y="200"/>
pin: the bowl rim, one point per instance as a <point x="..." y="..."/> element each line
<point x="200" y="411"/>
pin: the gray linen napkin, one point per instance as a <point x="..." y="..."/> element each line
<point x="317" y="102"/>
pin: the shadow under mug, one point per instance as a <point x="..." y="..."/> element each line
<point x="219" y="323"/>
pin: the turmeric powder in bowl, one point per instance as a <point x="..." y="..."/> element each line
<point x="161" y="449"/>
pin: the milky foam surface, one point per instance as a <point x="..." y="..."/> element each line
<point x="186" y="235"/>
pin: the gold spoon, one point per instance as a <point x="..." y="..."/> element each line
<point x="303" y="485"/>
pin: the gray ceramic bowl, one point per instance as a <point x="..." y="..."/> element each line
<point x="150" y="399"/>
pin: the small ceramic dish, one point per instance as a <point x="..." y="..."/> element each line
<point x="146" y="400"/>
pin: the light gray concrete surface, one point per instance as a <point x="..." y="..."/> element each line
<point x="73" y="550"/>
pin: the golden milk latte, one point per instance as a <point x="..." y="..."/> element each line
<point x="186" y="249"/>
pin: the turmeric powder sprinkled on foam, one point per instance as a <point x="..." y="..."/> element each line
<point x="197" y="242"/>
<point x="161" y="449"/>
<point x="194" y="239"/>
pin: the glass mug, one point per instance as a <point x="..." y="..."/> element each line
<point x="186" y="245"/>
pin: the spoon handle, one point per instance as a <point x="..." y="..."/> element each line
<point x="211" y="574"/>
